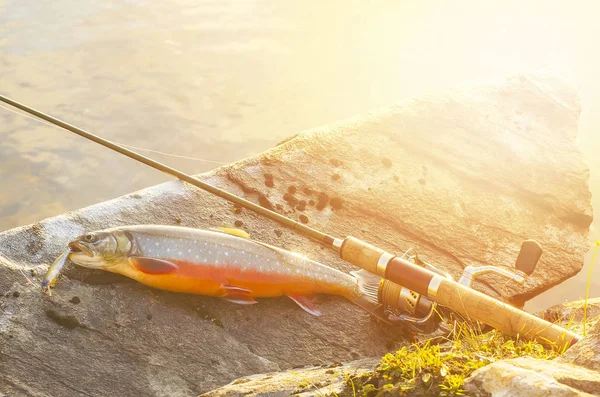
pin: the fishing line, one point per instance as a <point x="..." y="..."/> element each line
<point x="115" y="142"/>
<point x="266" y="212"/>
<point x="170" y="154"/>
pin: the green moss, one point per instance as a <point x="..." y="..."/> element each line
<point x="303" y="384"/>
<point x="430" y="369"/>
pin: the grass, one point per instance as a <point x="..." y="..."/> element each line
<point x="587" y="287"/>
<point x="428" y="369"/>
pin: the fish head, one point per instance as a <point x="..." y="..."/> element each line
<point x="100" y="250"/>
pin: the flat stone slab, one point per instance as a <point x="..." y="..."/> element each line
<point x="574" y="373"/>
<point x="329" y="380"/>
<point x="530" y="377"/>
<point x="462" y="177"/>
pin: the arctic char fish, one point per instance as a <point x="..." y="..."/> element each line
<point x="225" y="263"/>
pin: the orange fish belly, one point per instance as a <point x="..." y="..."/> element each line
<point x="206" y="279"/>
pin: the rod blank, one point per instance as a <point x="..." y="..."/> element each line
<point x="299" y="227"/>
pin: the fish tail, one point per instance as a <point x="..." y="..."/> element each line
<point x="366" y="293"/>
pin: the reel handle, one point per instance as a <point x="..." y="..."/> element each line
<point x="528" y="257"/>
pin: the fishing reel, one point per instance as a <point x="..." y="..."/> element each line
<point x="404" y="306"/>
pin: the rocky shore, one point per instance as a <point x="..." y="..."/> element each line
<point x="462" y="177"/>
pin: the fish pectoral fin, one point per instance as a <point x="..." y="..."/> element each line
<point x="152" y="265"/>
<point x="232" y="289"/>
<point x="307" y="303"/>
<point x="232" y="231"/>
<point x="239" y="295"/>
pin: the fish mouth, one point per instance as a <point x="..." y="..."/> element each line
<point x="78" y="247"/>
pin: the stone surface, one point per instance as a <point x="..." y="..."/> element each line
<point x="574" y="373"/>
<point x="571" y="314"/>
<point x="585" y="353"/>
<point x="530" y="377"/>
<point x="462" y="177"/>
<point x="304" y="382"/>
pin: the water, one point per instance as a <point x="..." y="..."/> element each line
<point x="223" y="80"/>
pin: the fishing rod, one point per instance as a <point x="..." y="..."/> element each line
<point x="410" y="288"/>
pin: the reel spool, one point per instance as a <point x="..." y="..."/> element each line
<point x="402" y="305"/>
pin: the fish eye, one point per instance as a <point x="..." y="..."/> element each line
<point x="90" y="237"/>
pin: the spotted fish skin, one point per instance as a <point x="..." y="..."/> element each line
<point x="215" y="263"/>
<point x="207" y="261"/>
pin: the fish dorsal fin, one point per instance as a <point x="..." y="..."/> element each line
<point x="231" y="230"/>
<point x="306" y="303"/>
<point x="152" y="265"/>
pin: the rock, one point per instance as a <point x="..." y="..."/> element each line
<point x="574" y="373"/>
<point x="489" y="160"/>
<point x="304" y="382"/>
<point x="571" y="314"/>
<point x="499" y="165"/>
<point x="585" y="353"/>
<point x="529" y="377"/>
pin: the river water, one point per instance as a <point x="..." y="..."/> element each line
<point x="223" y="80"/>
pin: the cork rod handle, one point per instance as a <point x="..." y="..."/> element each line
<point x="505" y="318"/>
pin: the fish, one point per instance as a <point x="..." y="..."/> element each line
<point x="224" y="263"/>
<point x="54" y="270"/>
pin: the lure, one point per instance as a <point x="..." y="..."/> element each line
<point x="53" y="271"/>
